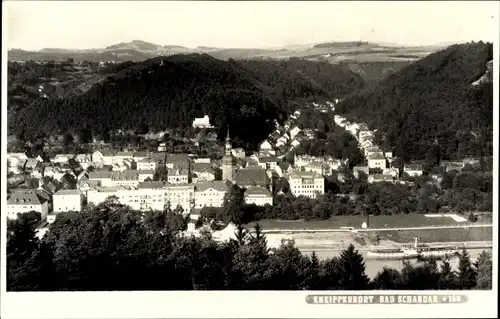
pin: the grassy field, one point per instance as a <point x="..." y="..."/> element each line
<point x="356" y="221"/>
<point x="434" y="235"/>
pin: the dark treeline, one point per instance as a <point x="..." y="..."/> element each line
<point x="110" y="247"/>
<point x="430" y="109"/>
<point x="169" y="92"/>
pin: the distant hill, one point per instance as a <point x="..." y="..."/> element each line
<point x="169" y="92"/>
<point x="352" y="44"/>
<point x="138" y="50"/>
<point x="430" y="109"/>
<point x="135" y="45"/>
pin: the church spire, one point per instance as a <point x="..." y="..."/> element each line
<point x="228" y="143"/>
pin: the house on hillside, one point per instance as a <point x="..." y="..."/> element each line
<point x="266" y="147"/>
<point x="413" y="169"/>
<point x="377" y="160"/>
<point x="202" y="122"/>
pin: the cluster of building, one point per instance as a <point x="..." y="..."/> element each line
<point x="188" y="183"/>
<point x="379" y="165"/>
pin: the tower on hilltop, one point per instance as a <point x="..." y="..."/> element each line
<point x="228" y="160"/>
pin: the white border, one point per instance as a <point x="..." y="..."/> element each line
<point x="229" y="304"/>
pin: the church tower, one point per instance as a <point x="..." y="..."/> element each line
<point x="228" y="161"/>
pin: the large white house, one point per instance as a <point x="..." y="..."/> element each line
<point x="66" y="200"/>
<point x="202" y="122"/>
<point x="258" y="195"/>
<point x="24" y="201"/>
<point x="377" y="160"/>
<point x="413" y="169"/>
<point x="210" y="194"/>
<point x="307" y="184"/>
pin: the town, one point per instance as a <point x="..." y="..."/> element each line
<point x="155" y="179"/>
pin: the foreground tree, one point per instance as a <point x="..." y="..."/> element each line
<point x="448" y="277"/>
<point x="484" y="268"/>
<point x="352" y="270"/>
<point x="388" y="279"/>
<point x="467" y="275"/>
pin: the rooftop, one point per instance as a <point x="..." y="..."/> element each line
<point x="376" y="156"/>
<point x="217" y="185"/>
<point x="256" y="191"/>
<point x="25" y="197"/>
<point x="151" y="185"/>
<point x="413" y="167"/>
<point x="251" y="176"/>
<point x="67" y="192"/>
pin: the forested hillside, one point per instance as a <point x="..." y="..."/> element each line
<point x="169" y="92"/>
<point x="430" y="109"/>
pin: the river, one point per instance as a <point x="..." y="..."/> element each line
<point x="373" y="266"/>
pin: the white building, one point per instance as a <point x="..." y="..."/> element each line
<point x="306" y="184"/>
<point x="210" y="194"/>
<point x="62" y="158"/>
<point x="146" y="165"/>
<point x="66" y="200"/>
<point x="202" y="122"/>
<point x="413" y="169"/>
<point x="24" y="201"/>
<point x="16" y="159"/>
<point x="266" y="147"/>
<point x="377" y="178"/>
<point x="137" y="199"/>
<point x="177" y="176"/>
<point x="258" y="195"/>
<point x="377" y="160"/>
<point x="85" y="160"/>
<point x="180" y="195"/>
<point x="294" y="131"/>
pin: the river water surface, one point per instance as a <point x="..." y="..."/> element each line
<point x="373" y="266"/>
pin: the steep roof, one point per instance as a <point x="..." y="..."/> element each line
<point x="100" y="174"/>
<point x="268" y="159"/>
<point x="151" y="185"/>
<point x="25" y="197"/>
<point x="299" y="174"/>
<point x="125" y="154"/>
<point x="217" y="185"/>
<point x="202" y="167"/>
<point x="251" y="176"/>
<point x="257" y="191"/>
<point x="67" y="192"/>
<point x="177" y="172"/>
<point x="413" y="167"/>
<point x="376" y="156"/>
<point x="177" y="158"/>
<point x="140" y="154"/>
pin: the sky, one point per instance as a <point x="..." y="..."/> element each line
<point x="33" y="25"/>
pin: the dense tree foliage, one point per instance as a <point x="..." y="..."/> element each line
<point x="97" y="248"/>
<point x="430" y="109"/>
<point x="169" y="92"/>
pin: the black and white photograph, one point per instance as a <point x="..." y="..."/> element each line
<point x="259" y="146"/>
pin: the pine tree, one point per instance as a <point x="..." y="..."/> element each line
<point x="484" y="268"/>
<point x="352" y="270"/>
<point x="447" y="277"/>
<point x="466" y="273"/>
<point x="241" y="235"/>
<point x="388" y="279"/>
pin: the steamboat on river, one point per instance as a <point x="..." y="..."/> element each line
<point x="415" y="251"/>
